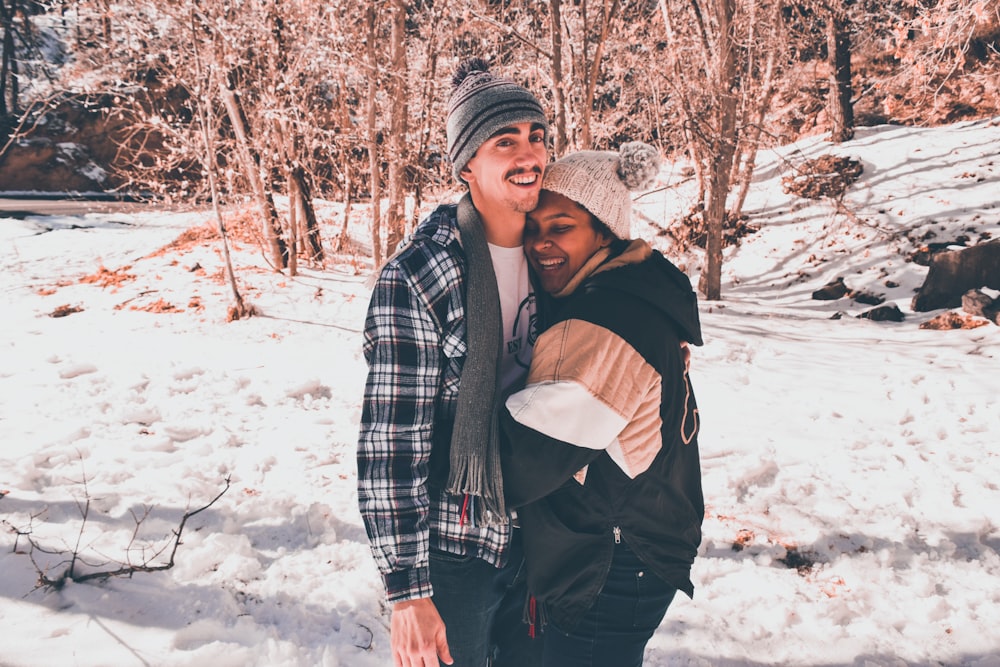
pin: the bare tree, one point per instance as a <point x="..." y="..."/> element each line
<point x="838" y="48"/>
<point x="250" y="160"/>
<point x="240" y="309"/>
<point x="398" y="144"/>
<point x="374" y="160"/>
<point x="270" y="113"/>
<point x="20" y="56"/>
<point x="764" y="48"/>
<point x="346" y="161"/>
<point x="341" y="100"/>
<point x="595" y="38"/>
<point x="579" y="34"/>
<point x="9" y="86"/>
<point x="940" y="47"/>
<point x="558" y="86"/>
<point x="718" y="64"/>
<point x="401" y="47"/>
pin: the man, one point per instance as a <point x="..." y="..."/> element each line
<point x="429" y="485"/>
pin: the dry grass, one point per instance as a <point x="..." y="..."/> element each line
<point x="106" y="277"/>
<point x="954" y="320"/>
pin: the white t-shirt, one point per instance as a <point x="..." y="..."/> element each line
<point x="517" y="308"/>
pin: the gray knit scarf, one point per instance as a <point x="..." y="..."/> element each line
<point x="475" y="450"/>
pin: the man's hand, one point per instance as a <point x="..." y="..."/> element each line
<point x="686" y="355"/>
<point x="418" y="635"/>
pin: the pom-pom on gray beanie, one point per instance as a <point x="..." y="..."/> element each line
<point x="481" y="105"/>
<point x="600" y="181"/>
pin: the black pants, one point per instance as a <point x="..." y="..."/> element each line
<point x="615" y="630"/>
<point x="482" y="608"/>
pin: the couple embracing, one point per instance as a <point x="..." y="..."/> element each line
<point x="528" y="467"/>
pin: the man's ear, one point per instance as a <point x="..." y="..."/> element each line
<point x="466" y="175"/>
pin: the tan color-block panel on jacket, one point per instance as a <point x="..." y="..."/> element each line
<point x="590" y="388"/>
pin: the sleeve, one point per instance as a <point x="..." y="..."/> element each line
<point x="534" y="464"/>
<point x="402" y="348"/>
<point x="585" y="387"/>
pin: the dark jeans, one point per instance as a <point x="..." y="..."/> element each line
<point x="614" y="632"/>
<point x="482" y="608"/>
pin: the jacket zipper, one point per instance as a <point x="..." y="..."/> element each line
<point x="618" y="534"/>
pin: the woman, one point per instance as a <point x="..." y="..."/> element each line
<point x="600" y="455"/>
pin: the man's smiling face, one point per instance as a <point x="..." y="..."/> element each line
<point x="506" y="170"/>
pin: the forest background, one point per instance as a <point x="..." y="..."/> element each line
<point x="261" y="106"/>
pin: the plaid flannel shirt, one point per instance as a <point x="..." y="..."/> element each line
<point x="414" y="343"/>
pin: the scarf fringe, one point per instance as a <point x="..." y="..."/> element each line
<point x="468" y="480"/>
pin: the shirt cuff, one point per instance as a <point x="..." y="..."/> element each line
<point x="408" y="584"/>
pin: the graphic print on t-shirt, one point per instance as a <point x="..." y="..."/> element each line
<point x="518" y="342"/>
<point x="517" y="309"/>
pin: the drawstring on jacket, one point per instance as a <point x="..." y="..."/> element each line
<point x="531" y="616"/>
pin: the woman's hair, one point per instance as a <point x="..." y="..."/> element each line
<point x="599" y="226"/>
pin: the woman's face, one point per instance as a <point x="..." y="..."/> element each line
<point x="559" y="238"/>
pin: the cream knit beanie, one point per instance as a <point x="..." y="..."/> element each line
<point x="600" y="181"/>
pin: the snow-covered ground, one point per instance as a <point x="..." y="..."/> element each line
<point x="850" y="467"/>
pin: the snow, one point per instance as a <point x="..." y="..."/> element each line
<point x="852" y="463"/>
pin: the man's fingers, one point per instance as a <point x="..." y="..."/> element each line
<point x="442" y="648"/>
<point x="414" y="659"/>
<point x="418" y="635"/>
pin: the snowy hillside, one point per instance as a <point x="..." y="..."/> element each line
<point x="850" y="467"/>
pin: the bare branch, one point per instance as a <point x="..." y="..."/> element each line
<point x="509" y="30"/>
<point x="76" y="556"/>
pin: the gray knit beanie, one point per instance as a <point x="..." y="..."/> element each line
<point x="481" y="105"/>
<point x="600" y="181"/>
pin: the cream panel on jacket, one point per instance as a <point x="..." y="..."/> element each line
<point x="589" y="388"/>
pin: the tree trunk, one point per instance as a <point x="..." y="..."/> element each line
<point x="373" y="148"/>
<point x="710" y="282"/>
<point x="423" y="132"/>
<point x="347" y="164"/>
<point x="838" y="44"/>
<point x="240" y="309"/>
<point x="558" y="87"/>
<point x="106" y="13"/>
<point x="747" y="152"/>
<point x="8" y="62"/>
<point x="594" y="71"/>
<point x="311" y="239"/>
<point x="294" y="197"/>
<point x="398" y="126"/>
<point x="251" y="169"/>
<point x="344" y="237"/>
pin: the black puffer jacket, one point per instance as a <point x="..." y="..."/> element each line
<point x="601" y="445"/>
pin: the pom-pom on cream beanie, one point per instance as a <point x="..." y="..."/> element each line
<point x="600" y="181"/>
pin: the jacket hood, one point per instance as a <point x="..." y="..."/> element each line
<point x="637" y="269"/>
